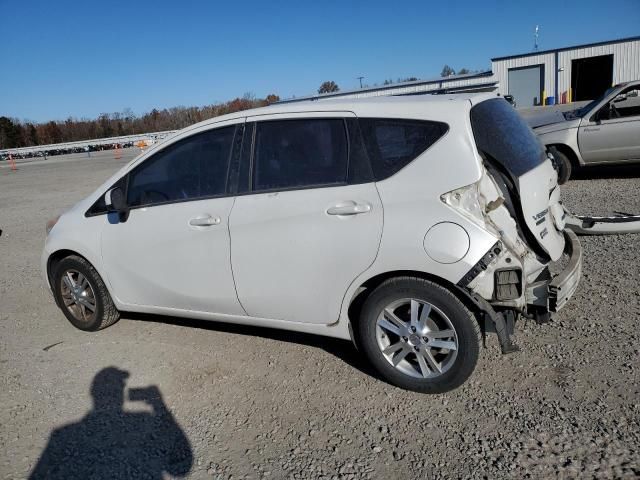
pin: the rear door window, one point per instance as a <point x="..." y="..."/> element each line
<point x="300" y="154"/>
<point x="394" y="143"/>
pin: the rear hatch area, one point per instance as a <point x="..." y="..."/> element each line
<point x="517" y="160"/>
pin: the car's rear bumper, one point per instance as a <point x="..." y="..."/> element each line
<point x="563" y="285"/>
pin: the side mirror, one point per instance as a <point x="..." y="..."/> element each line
<point x="116" y="202"/>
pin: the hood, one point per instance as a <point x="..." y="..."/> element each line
<point x="546" y="117"/>
<point x="554" y="127"/>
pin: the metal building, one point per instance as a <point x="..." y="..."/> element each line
<point x="561" y="75"/>
<point x="570" y="74"/>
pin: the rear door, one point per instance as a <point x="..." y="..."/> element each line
<point x="311" y="221"/>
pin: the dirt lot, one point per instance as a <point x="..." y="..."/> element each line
<point x="244" y="402"/>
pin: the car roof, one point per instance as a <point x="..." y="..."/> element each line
<point x="364" y="106"/>
<point x="632" y="83"/>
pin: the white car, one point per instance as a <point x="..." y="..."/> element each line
<point x="404" y="224"/>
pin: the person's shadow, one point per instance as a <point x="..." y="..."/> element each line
<point x="110" y="442"/>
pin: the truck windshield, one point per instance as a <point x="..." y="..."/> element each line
<point x="504" y="136"/>
<point x="582" y="111"/>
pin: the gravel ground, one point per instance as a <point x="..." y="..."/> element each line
<point x="221" y="401"/>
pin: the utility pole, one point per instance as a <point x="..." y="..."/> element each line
<point x="360" y="78"/>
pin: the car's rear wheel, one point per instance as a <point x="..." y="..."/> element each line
<point x="418" y="335"/>
<point x="82" y="295"/>
<point x="563" y="165"/>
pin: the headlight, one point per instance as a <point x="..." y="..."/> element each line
<point x="51" y="223"/>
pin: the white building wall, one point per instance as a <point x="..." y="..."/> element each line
<point x="626" y="62"/>
<point x="626" y="65"/>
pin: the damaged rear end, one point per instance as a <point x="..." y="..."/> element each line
<point x="535" y="266"/>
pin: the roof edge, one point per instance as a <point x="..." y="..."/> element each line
<point x="564" y="49"/>
<point x="429" y="81"/>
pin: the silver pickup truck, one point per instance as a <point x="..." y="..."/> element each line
<point x="605" y="131"/>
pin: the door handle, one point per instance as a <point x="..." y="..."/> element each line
<point x="353" y="209"/>
<point x="207" y="221"/>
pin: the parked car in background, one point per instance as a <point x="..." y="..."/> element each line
<point x="403" y="224"/>
<point x="605" y="131"/>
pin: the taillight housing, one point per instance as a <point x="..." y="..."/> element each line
<point x="466" y="200"/>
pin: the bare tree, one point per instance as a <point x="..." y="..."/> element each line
<point x="328" y="87"/>
<point x="447" y="71"/>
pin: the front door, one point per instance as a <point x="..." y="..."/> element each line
<point x="173" y="250"/>
<point x="305" y="231"/>
<point x="615" y="136"/>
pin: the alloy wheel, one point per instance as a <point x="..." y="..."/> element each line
<point x="417" y="338"/>
<point x="78" y="296"/>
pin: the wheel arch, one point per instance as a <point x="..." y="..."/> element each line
<point x="59" y="255"/>
<point x="56" y="257"/>
<point x="368" y="286"/>
<point x="569" y="151"/>
<point x="106" y="311"/>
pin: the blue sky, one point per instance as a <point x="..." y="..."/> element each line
<point x="81" y="58"/>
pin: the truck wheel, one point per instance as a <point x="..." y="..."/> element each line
<point x="562" y="164"/>
<point x="82" y="295"/>
<point x="418" y="335"/>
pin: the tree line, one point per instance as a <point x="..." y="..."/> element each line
<point x="448" y="71"/>
<point x="15" y="133"/>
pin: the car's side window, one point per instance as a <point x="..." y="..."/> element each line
<point x="627" y="104"/>
<point x="195" y="167"/>
<point x="299" y="153"/>
<point x="393" y="143"/>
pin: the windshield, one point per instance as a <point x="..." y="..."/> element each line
<point x="582" y="111"/>
<point x="502" y="134"/>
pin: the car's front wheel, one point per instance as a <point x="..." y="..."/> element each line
<point x="82" y="295"/>
<point x="562" y="164"/>
<point x="418" y="335"/>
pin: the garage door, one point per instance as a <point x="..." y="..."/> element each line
<point x="591" y="76"/>
<point x="526" y="84"/>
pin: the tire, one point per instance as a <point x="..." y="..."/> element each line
<point x="445" y="313"/>
<point x="73" y="273"/>
<point x="563" y="165"/>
